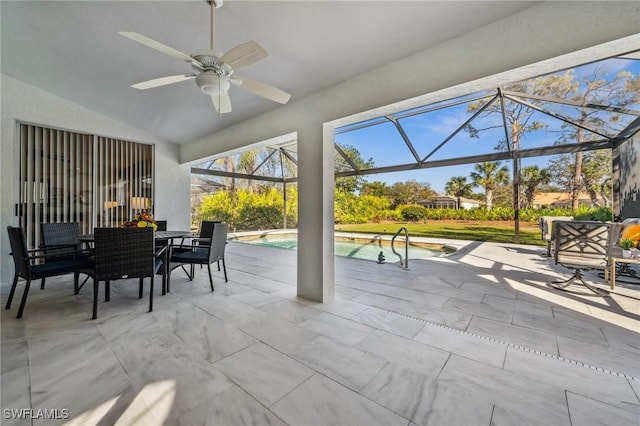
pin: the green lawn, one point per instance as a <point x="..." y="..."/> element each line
<point x="454" y="231"/>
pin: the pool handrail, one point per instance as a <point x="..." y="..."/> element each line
<point x="404" y="264"/>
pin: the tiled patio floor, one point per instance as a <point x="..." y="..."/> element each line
<point x="476" y="338"/>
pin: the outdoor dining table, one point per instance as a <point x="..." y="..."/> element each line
<point x="158" y="235"/>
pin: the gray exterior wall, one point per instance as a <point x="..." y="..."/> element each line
<point x="627" y="166"/>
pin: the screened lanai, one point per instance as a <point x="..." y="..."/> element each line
<point x="595" y="106"/>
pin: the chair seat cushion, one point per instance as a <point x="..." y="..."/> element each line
<point x="196" y="256"/>
<point x="64" y="266"/>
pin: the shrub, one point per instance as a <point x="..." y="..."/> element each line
<point x="413" y="213"/>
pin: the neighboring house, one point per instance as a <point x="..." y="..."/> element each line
<point x="442" y="201"/>
<point x="562" y="200"/>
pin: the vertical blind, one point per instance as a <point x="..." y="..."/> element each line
<point x="68" y="176"/>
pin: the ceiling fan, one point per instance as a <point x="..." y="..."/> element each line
<point x="215" y="73"/>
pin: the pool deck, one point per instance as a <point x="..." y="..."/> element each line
<point x="473" y="338"/>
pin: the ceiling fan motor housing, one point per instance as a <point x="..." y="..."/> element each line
<point x="211" y="83"/>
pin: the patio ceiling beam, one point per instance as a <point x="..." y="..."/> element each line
<point x="404" y="136"/>
<point x="572" y="103"/>
<point x="496" y="156"/>
<point x="554" y="115"/>
<point x="346" y="158"/>
<point x="627" y="132"/>
<point x="465" y="124"/>
<point x="263" y="161"/>
<point x="199" y="171"/>
<point x="505" y="127"/>
<point x="289" y="156"/>
<point x="407" y="114"/>
<point x="363" y="125"/>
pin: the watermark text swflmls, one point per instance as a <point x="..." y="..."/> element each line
<point x="33" y="413"/>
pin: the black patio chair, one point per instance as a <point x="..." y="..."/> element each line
<point x="62" y="241"/>
<point x="203" y="254"/>
<point x="25" y="266"/>
<point x="203" y="239"/>
<point x="124" y="253"/>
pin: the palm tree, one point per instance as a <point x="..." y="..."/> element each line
<point x="489" y="175"/>
<point x="458" y="187"/>
<point x="532" y="177"/>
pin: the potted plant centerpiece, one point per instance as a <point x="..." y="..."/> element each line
<point x="627" y="245"/>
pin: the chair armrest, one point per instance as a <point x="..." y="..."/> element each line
<point x="57" y="246"/>
<point x="160" y="251"/>
<point x="201" y="241"/>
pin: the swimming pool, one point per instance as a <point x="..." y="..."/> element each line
<point x="358" y="247"/>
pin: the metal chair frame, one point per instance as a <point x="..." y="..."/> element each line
<point x="582" y="246"/>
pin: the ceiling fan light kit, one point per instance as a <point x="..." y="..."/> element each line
<point x="213" y="72"/>
<point x="211" y="83"/>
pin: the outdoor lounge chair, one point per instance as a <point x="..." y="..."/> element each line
<point x="583" y="246"/>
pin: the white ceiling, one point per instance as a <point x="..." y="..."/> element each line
<point x="72" y="49"/>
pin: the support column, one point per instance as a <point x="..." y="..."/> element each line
<point x="316" y="279"/>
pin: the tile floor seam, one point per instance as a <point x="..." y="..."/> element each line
<point x="29" y="373"/>
<point x="566" y="400"/>
<point x="512" y="345"/>
<point x="443" y="366"/>
<point x="493" y="410"/>
<point x="633" y="389"/>
<point x="359" y="393"/>
<point x="106" y="341"/>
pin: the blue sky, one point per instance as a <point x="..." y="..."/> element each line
<point x="384" y="144"/>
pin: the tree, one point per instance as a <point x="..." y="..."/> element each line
<point x="489" y="175"/>
<point x="246" y="164"/>
<point x="595" y="89"/>
<point x="594" y="177"/>
<point x="376" y="188"/>
<point x="351" y="184"/>
<point x="531" y="179"/>
<point x="409" y="192"/>
<point x="518" y="117"/>
<point x="458" y="187"/>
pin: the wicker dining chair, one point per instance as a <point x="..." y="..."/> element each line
<point x="203" y="255"/>
<point x="26" y="266"/>
<point x="124" y="253"/>
<point x="62" y="241"/>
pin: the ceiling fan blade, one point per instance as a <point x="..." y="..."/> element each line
<point x="221" y="102"/>
<point x="244" y="54"/>
<point x="159" y="47"/>
<point x="263" y="89"/>
<point x="162" y="81"/>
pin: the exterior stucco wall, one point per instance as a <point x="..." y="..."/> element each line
<point x="629" y="178"/>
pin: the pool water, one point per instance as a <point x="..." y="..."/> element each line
<point x="359" y="248"/>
